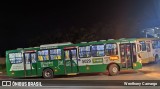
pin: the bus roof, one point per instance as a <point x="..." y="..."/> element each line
<point x="56" y="44"/>
<point x="69" y="44"/>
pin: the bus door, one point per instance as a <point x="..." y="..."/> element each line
<point x="149" y="54"/>
<point x="30" y="65"/>
<point x="71" y="62"/>
<point x="143" y="52"/>
<point x="128" y="55"/>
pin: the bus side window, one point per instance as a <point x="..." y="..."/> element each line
<point x="15" y="57"/>
<point x="74" y="55"/>
<point x="143" y="46"/>
<point x="43" y="55"/>
<point x="67" y="55"/>
<point x="148" y="47"/>
<point x="84" y="52"/>
<point x="153" y="44"/>
<point x="111" y="49"/>
<point x="27" y="58"/>
<point x="12" y="57"/>
<point x="97" y="50"/>
<point x="122" y="50"/>
<point x="55" y="54"/>
<point x="33" y="57"/>
<point x="158" y="44"/>
<point x="40" y="58"/>
<point x="128" y="50"/>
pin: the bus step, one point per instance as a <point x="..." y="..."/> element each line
<point x="72" y="73"/>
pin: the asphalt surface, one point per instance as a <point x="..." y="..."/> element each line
<point x="148" y="72"/>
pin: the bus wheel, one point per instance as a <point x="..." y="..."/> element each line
<point x="113" y="70"/>
<point x="47" y="73"/>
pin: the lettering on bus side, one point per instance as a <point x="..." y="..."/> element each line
<point x="97" y="60"/>
<point x="68" y="63"/>
<point x="60" y="62"/>
<point x="46" y="64"/>
<point x="17" y="67"/>
<point x="86" y="61"/>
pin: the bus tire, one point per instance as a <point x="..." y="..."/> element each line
<point x="113" y="70"/>
<point x="47" y="73"/>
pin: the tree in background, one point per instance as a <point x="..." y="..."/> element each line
<point x="74" y="35"/>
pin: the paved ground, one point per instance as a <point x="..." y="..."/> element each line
<point x="148" y="72"/>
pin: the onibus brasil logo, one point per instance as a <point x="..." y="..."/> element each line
<point x="20" y="83"/>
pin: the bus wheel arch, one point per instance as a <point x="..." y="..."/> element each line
<point x="47" y="73"/>
<point x="113" y="69"/>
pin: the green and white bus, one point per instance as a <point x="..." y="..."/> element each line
<point x="71" y="59"/>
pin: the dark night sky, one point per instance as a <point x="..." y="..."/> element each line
<point x="23" y="22"/>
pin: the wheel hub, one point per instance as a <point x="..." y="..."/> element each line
<point x="114" y="69"/>
<point x="47" y="74"/>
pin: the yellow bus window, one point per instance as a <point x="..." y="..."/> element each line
<point x="40" y="58"/>
<point x="55" y="54"/>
